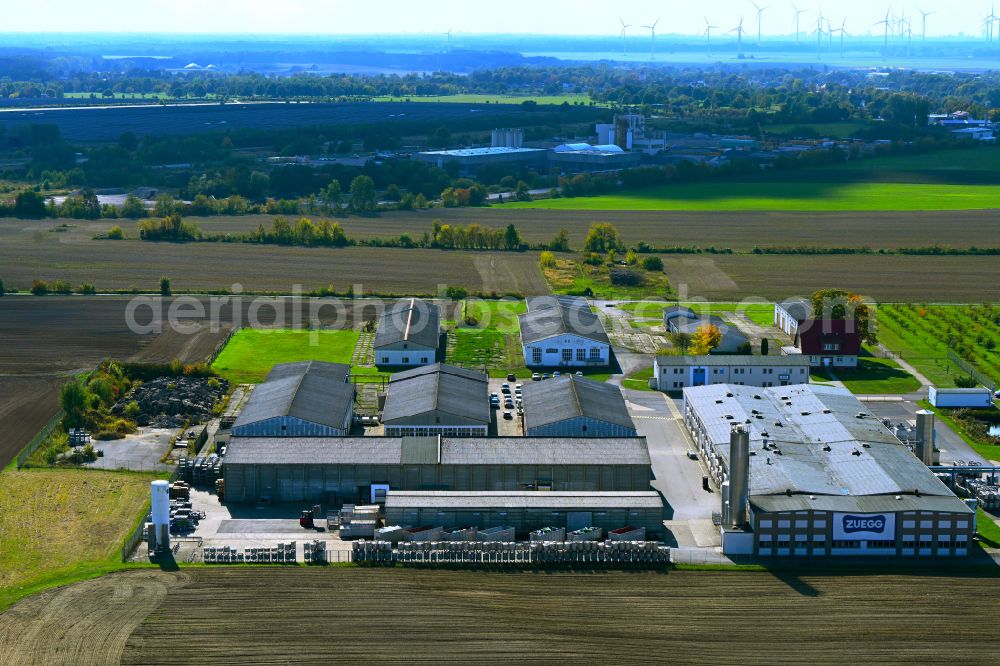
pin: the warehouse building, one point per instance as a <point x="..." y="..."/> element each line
<point x="575" y="407"/>
<point x="527" y="511"/>
<point x="675" y="373"/>
<point x="408" y="333"/>
<point x="790" y="313"/>
<point x="307" y="399"/>
<point x="471" y="160"/>
<point x="354" y="469"/>
<point x="571" y="158"/>
<point x="807" y="471"/>
<point x="437" y="400"/>
<point x="561" y="331"/>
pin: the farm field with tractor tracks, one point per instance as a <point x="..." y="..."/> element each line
<point x="201" y="615"/>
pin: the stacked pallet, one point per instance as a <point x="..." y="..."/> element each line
<point x="315" y="552"/>
<point x="358" y="521"/>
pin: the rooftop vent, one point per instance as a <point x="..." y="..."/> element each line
<point x="826" y="411"/>
<point x="779" y="424"/>
<point x="718" y="402"/>
<point x="812" y="497"/>
<point x="760" y="416"/>
<point x="855" y="452"/>
<point x="866" y="445"/>
<point x="754" y="411"/>
<point x="784" y="397"/>
<point x="756" y="396"/>
<point x="860" y="415"/>
<point x="777" y="451"/>
<point x="729" y="395"/>
<point x="899" y="497"/>
<point x="764" y="435"/>
<point x="826" y="447"/>
<point x="728" y="416"/>
<point x="806" y="413"/>
<point x="788" y="491"/>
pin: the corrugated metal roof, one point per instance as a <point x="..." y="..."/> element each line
<point x="596" y="501"/>
<point x="564" y="398"/>
<point x="420" y="450"/>
<point x="544" y="451"/>
<point x="438" y="387"/>
<point x="454" y="451"/>
<point x="313" y="391"/>
<point x="550" y="316"/>
<point x="314" y="451"/>
<point x="817" y="445"/>
<point x="864" y="504"/>
<point x="410" y="320"/>
<point x="733" y="360"/>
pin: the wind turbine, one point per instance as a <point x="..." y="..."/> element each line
<point x="819" y="35"/>
<point x="652" y="38"/>
<point x="739" y="35"/>
<point x="708" y="33"/>
<point x="842" y="32"/>
<point x="448" y="35"/>
<point x="760" y="12"/>
<point x="923" y="22"/>
<point x="885" y="42"/>
<point x="625" y="26"/>
<point x="798" y="12"/>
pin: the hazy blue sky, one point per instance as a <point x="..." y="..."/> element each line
<point x="580" y="17"/>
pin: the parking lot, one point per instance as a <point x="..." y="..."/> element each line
<point x="514" y="426"/>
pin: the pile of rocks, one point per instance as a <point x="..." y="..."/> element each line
<point x="170" y="401"/>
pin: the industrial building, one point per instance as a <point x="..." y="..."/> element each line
<point x="437" y="399"/>
<point x="628" y="131"/>
<point x="790" y="313"/>
<point x="575" y="407"/>
<point x="674" y="373"/>
<point x="307" y="399"/>
<point x="527" y="511"/>
<point x="352" y="469"/>
<point x="471" y="160"/>
<point x="807" y="471"/>
<point x="408" y="333"/>
<point x="561" y="331"/>
<point x="681" y="319"/>
<point x="583" y="157"/>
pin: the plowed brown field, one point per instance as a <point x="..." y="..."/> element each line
<point x="236" y="616"/>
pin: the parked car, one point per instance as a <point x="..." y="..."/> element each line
<point x="508" y="404"/>
<point x="508" y="416"/>
<point x="517" y="389"/>
<point x="545" y="375"/>
<point x="505" y="388"/>
<point x="495" y="401"/>
<point x="535" y="376"/>
<point x="555" y="374"/>
<point x="579" y="374"/>
<point x="511" y="377"/>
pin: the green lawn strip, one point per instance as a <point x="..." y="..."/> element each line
<point x="987" y="451"/>
<point x="251" y="353"/>
<point x="501" y="315"/>
<point x="639" y="380"/>
<point x="873" y="376"/>
<point x="759" y="313"/>
<point x="785" y="195"/>
<point x="988" y="529"/>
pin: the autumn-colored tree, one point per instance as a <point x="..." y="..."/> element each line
<point x="705" y="339"/>
<point x="833" y="304"/>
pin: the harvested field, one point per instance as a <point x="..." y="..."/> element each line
<point x="739" y="230"/>
<point x="28" y="252"/>
<point x="47" y="339"/>
<point x="883" y="278"/>
<point x="86" y="623"/>
<point x="231" y="616"/>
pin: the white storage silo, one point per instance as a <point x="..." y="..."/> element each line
<point x="159" y="539"/>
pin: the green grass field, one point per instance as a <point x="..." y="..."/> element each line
<point x="473" y="98"/>
<point x="832" y="130"/>
<point x="62" y="525"/>
<point x="946" y="180"/>
<point x="639" y="380"/>
<point x="987" y="529"/>
<point x="251" y="353"/>
<point x="501" y="315"/>
<point x="759" y="313"/>
<point x="873" y="376"/>
<point x="786" y="196"/>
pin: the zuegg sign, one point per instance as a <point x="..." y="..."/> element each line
<point x="863" y="526"/>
